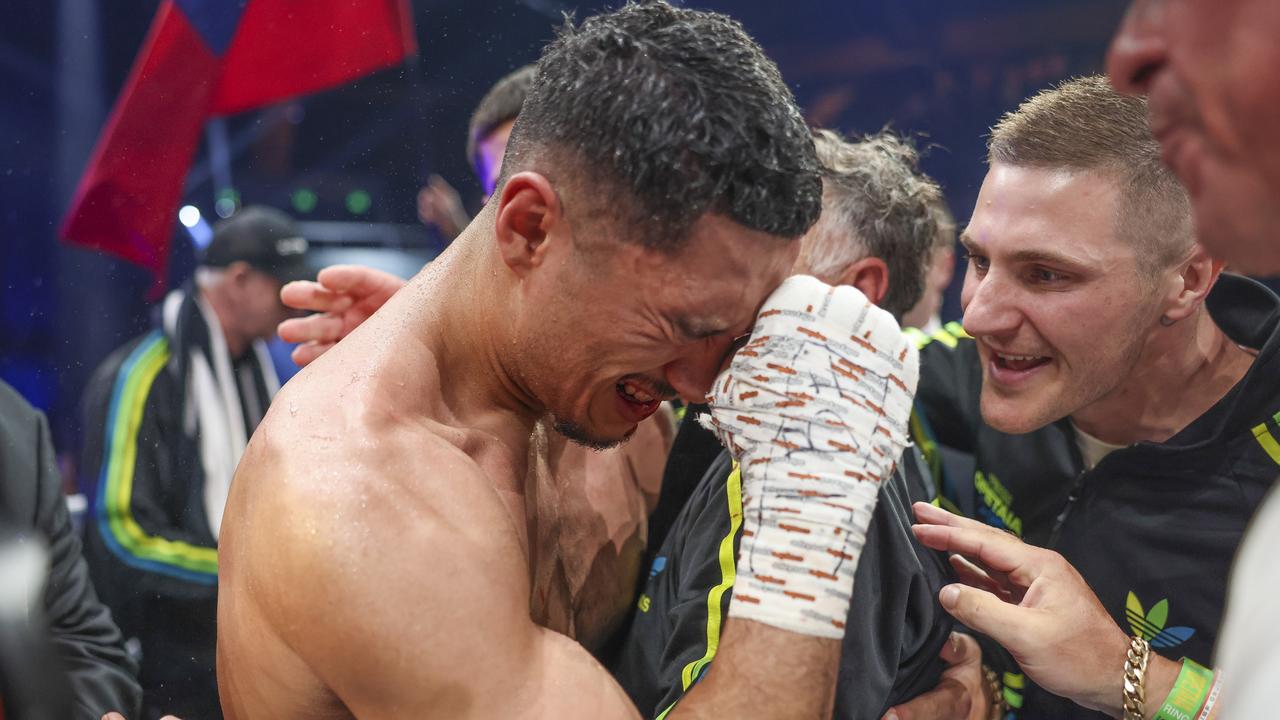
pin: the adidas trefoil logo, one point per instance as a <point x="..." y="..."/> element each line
<point x="1149" y="624"/>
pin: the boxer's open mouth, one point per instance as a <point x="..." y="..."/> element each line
<point x="635" y="393"/>
<point x="640" y="399"/>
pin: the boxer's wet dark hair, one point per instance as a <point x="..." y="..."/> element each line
<point x="660" y="115"/>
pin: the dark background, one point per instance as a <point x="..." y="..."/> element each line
<point x="942" y="71"/>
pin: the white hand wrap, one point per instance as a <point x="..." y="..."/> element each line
<point x="815" y="409"/>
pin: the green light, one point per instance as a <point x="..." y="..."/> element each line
<point x="227" y="202"/>
<point x="359" y="202"/>
<point x="304" y="200"/>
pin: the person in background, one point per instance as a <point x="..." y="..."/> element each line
<point x="926" y="314"/>
<point x="487" y="133"/>
<point x="80" y="629"/>
<point x="1208" y="70"/>
<point x="167" y="417"/>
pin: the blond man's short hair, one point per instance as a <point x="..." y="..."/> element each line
<point x="1084" y="125"/>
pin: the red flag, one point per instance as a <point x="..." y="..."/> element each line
<point x="213" y="57"/>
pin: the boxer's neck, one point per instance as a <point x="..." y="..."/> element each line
<point x="460" y="318"/>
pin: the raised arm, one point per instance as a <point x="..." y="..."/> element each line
<point x="443" y="627"/>
<point x="815" y="410"/>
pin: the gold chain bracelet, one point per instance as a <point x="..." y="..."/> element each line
<point x="1135" y="678"/>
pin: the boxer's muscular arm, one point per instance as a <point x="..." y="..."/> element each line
<point x="763" y="672"/>
<point x="419" y="607"/>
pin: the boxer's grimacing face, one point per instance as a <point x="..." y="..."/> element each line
<point x="1208" y="69"/>
<point x="1051" y="295"/>
<point x="625" y="327"/>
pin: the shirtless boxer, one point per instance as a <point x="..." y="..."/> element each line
<point x="588" y="508"/>
<point x="653" y="182"/>
<point x="876" y="231"/>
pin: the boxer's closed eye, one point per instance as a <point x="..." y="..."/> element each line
<point x="695" y="329"/>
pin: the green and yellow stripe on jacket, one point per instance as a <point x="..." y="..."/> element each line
<point x="1267" y="439"/>
<point x="727" y="556"/>
<point x="950" y="336"/>
<point x="113" y="512"/>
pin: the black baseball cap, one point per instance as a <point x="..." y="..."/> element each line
<point x="263" y="237"/>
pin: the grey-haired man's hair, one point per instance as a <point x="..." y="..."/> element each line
<point x="875" y="202"/>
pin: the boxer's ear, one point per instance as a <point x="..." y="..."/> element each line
<point x="870" y="275"/>
<point x="528" y="211"/>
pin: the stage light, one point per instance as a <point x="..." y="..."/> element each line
<point x="304" y="200"/>
<point x="198" y="227"/>
<point x="189" y="215"/>
<point x="227" y="203"/>
<point x="359" y="202"/>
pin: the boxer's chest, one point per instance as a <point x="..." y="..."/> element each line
<point x="586" y="533"/>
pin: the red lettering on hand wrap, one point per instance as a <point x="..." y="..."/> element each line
<point x="863" y="343"/>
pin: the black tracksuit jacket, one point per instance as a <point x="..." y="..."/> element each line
<point x="1153" y="528"/>
<point x="88" y="643"/>
<point x="895" y="627"/>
